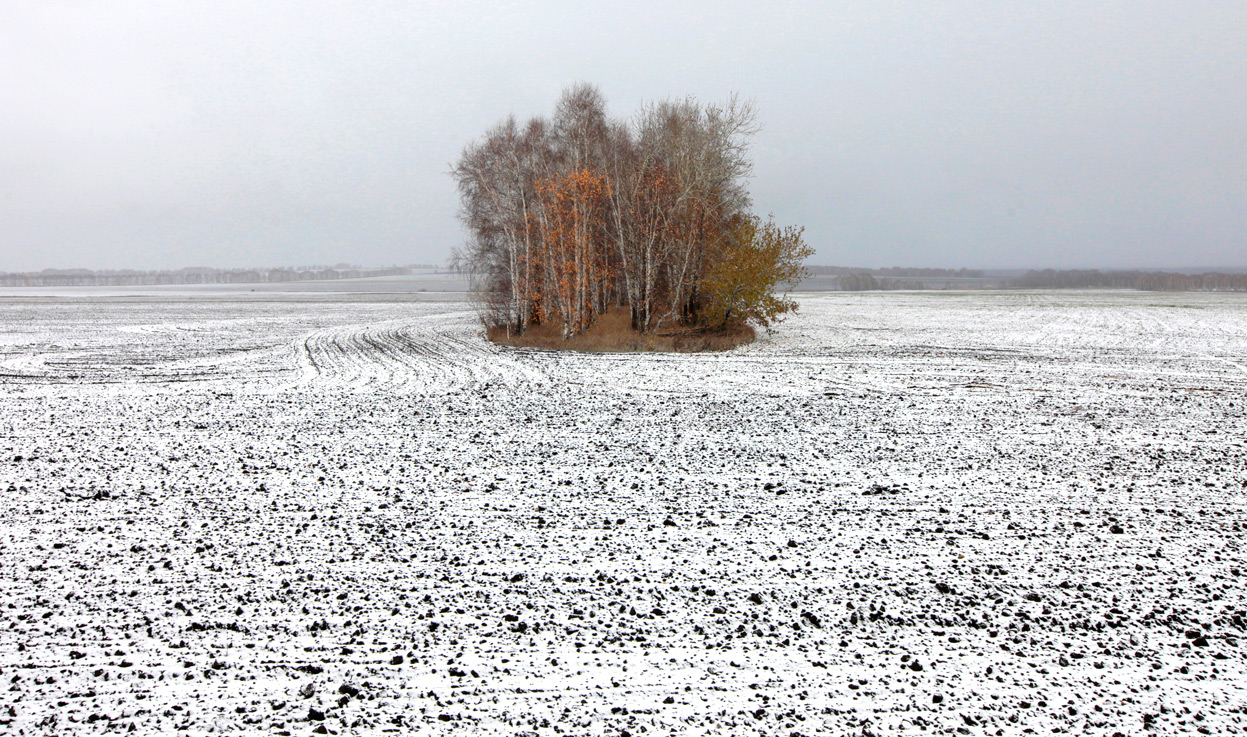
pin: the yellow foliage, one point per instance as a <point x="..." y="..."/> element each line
<point x="757" y="258"/>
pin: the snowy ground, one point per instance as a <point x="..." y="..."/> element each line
<point x="917" y="513"/>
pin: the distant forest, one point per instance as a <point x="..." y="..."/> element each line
<point x="847" y="278"/>
<point x="895" y="271"/>
<point x="197" y="275"/>
<point x="853" y="279"/>
<point x="1152" y="281"/>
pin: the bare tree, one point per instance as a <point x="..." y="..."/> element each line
<point x="705" y="152"/>
<point x="497" y="188"/>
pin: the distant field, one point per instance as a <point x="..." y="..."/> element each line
<point x="276" y="510"/>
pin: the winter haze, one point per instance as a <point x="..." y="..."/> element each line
<point x="1064" y="134"/>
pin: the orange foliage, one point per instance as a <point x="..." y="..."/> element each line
<point x="571" y="251"/>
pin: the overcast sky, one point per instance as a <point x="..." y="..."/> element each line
<point x="1065" y="133"/>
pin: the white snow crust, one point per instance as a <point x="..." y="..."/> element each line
<point x="968" y="513"/>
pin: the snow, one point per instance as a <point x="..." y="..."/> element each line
<point x="233" y="512"/>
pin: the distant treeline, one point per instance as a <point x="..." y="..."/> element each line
<point x="1209" y="282"/>
<point x="868" y="283"/>
<point x="895" y="271"/>
<point x="1155" y="281"/>
<point x="197" y="275"/>
<point x="851" y="279"/>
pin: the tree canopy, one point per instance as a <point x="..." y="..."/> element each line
<point x="570" y="216"/>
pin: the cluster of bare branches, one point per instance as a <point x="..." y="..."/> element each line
<point x="569" y="216"/>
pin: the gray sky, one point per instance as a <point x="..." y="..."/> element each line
<point x="1067" y="133"/>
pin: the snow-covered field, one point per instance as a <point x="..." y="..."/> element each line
<point x="972" y="513"/>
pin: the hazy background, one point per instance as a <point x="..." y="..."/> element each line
<point x="1068" y="133"/>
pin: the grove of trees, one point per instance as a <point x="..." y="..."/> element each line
<point x="572" y="216"/>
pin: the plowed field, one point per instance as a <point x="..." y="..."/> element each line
<point x="978" y="513"/>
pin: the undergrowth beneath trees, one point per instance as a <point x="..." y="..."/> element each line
<point x="613" y="333"/>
